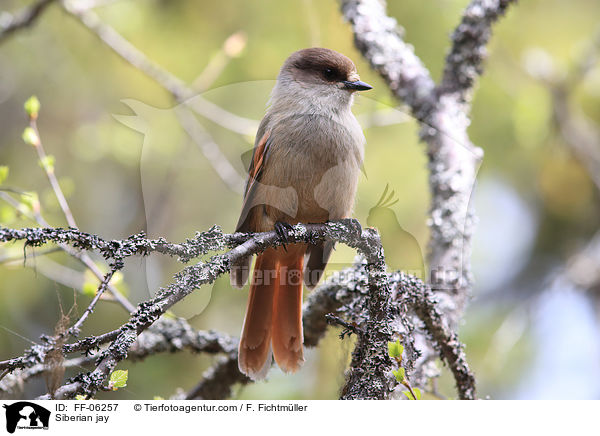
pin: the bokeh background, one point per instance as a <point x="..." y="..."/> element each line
<point x="126" y="163"/>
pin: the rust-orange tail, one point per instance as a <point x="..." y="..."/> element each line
<point x="274" y="314"/>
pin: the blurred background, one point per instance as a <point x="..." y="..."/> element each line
<point x="129" y="157"/>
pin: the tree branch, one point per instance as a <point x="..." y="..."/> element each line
<point x="362" y="293"/>
<point x="442" y="112"/>
<point x="464" y="62"/>
<point x="373" y="361"/>
<point x="22" y="19"/>
<point x="379" y="39"/>
<point x="183" y="94"/>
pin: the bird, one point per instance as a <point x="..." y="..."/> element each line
<point x="305" y="166"/>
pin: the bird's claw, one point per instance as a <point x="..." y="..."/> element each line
<point x="282" y="229"/>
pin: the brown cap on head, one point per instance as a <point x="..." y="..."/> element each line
<point x="322" y="65"/>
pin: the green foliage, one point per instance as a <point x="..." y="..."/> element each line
<point x="118" y="379"/>
<point x="30" y="137"/>
<point x="32" y="107"/>
<point x="47" y="163"/>
<point x="400" y="374"/>
<point x="417" y="393"/>
<point x="395" y="349"/>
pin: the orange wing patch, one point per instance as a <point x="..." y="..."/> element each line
<point x="258" y="160"/>
<point x="254" y="172"/>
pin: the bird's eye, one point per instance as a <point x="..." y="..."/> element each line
<point x="329" y="74"/>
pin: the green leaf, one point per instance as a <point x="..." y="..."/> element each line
<point x="79" y="397"/>
<point x="30" y="137"/>
<point x="158" y="398"/>
<point x="395" y="349"/>
<point x="47" y="163"/>
<point x="118" y="379"/>
<point x="32" y="107"/>
<point x="3" y="173"/>
<point x="417" y="392"/>
<point x="400" y="373"/>
<point x="408" y="395"/>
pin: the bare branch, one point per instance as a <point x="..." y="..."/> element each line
<point x="22" y="19"/>
<point x="74" y="330"/>
<point x="345" y="293"/>
<point x="43" y="159"/>
<point x="580" y="133"/>
<point x="165" y="336"/>
<point x="118" y="249"/>
<point x="421" y="299"/>
<point x="81" y="257"/>
<point x="180" y="91"/>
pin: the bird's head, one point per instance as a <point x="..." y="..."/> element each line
<point x="319" y="76"/>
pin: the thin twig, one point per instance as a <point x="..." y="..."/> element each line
<point x="464" y="62"/>
<point x="349" y="328"/>
<point x="165" y="79"/>
<point x="75" y="328"/>
<point x="82" y="257"/>
<point x="177" y="88"/>
<point x="64" y="205"/>
<point x="49" y="171"/>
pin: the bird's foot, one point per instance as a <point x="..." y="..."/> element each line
<point x="282" y="229"/>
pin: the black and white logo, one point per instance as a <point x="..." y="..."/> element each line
<point x="26" y="415"/>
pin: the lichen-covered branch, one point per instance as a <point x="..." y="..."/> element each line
<point x="344" y="293"/>
<point x="372" y="361"/>
<point x="135" y="245"/>
<point x="364" y="294"/>
<point x="218" y="380"/>
<point x="422" y="300"/>
<point x="165" y="336"/>
<point x="464" y="62"/>
<point x="379" y="39"/>
<point x="443" y="113"/>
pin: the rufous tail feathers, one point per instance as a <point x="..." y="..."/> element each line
<point x="273" y="322"/>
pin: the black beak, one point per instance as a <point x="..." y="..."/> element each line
<point x="357" y="86"/>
